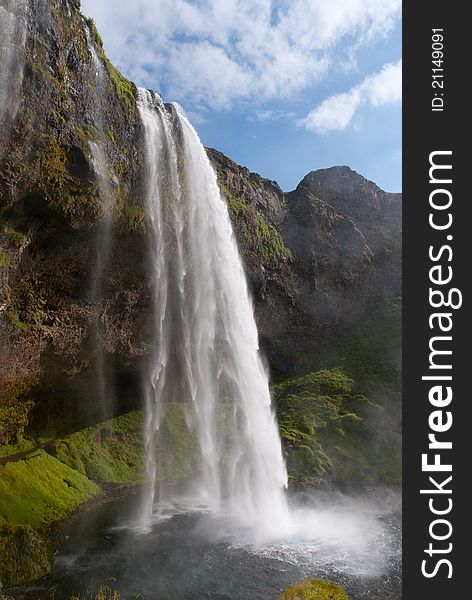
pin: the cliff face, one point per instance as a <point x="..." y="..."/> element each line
<point x="317" y="257"/>
<point x="327" y="252"/>
<point x="52" y="213"/>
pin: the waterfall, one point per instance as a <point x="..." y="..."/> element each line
<point x="13" y="23"/>
<point x="104" y="239"/>
<point x="207" y="353"/>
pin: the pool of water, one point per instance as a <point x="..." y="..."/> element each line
<point x="356" y="542"/>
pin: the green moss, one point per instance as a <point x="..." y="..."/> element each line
<point x="77" y="202"/>
<point x="97" y="38"/>
<point x="133" y="220"/>
<point x="15" y="237"/>
<point x="264" y="237"/>
<point x="126" y="89"/>
<point x="359" y="435"/>
<point x="109" y="452"/>
<point x="270" y="243"/>
<point x="323" y="382"/>
<point x="25" y="555"/>
<point x="314" y="589"/>
<point x="113" y="451"/>
<point x="111" y="135"/>
<point x="15" y="320"/>
<point x="29" y="305"/>
<point x="14" y="410"/>
<point x="86" y="134"/>
<point x="15" y="448"/>
<point x="4" y="259"/>
<point x="40" y="489"/>
<point x="309" y="409"/>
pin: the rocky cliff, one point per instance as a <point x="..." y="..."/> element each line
<point x="316" y="258"/>
<point x="319" y="257"/>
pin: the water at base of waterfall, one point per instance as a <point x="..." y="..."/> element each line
<point x="358" y="546"/>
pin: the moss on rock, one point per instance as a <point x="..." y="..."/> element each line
<point x="267" y="241"/>
<point x="14" y="410"/>
<point x="4" y="259"/>
<point x="109" y="452"/>
<point x="78" y="202"/>
<point x="113" y="451"/>
<point x="314" y="589"/>
<point x="339" y="418"/>
<point x="40" y="489"/>
<point x="25" y="555"/>
<point x="16" y="238"/>
<point x="311" y="409"/>
<point x="126" y="89"/>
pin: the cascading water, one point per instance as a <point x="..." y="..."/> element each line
<point x="207" y="355"/>
<point x="104" y="231"/>
<point x="13" y="23"/>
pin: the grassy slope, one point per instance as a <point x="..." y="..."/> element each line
<point x="40" y="489"/>
<point x="46" y="485"/>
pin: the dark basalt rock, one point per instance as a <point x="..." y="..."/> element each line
<point x="342" y="240"/>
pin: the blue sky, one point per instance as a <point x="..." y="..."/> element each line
<point x="281" y="86"/>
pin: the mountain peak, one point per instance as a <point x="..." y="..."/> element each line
<point x="337" y="179"/>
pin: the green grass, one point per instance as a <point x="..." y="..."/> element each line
<point x="314" y="589"/>
<point x="97" y="38"/>
<point x="47" y="485"/>
<point x="9" y="449"/>
<point x="40" y="490"/>
<point x="126" y="89"/>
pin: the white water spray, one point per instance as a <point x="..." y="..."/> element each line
<point x="207" y="352"/>
<point x="13" y="24"/>
<point x="104" y="231"/>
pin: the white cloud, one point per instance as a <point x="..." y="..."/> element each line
<point x="223" y="52"/>
<point x="267" y="115"/>
<point x="336" y="112"/>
